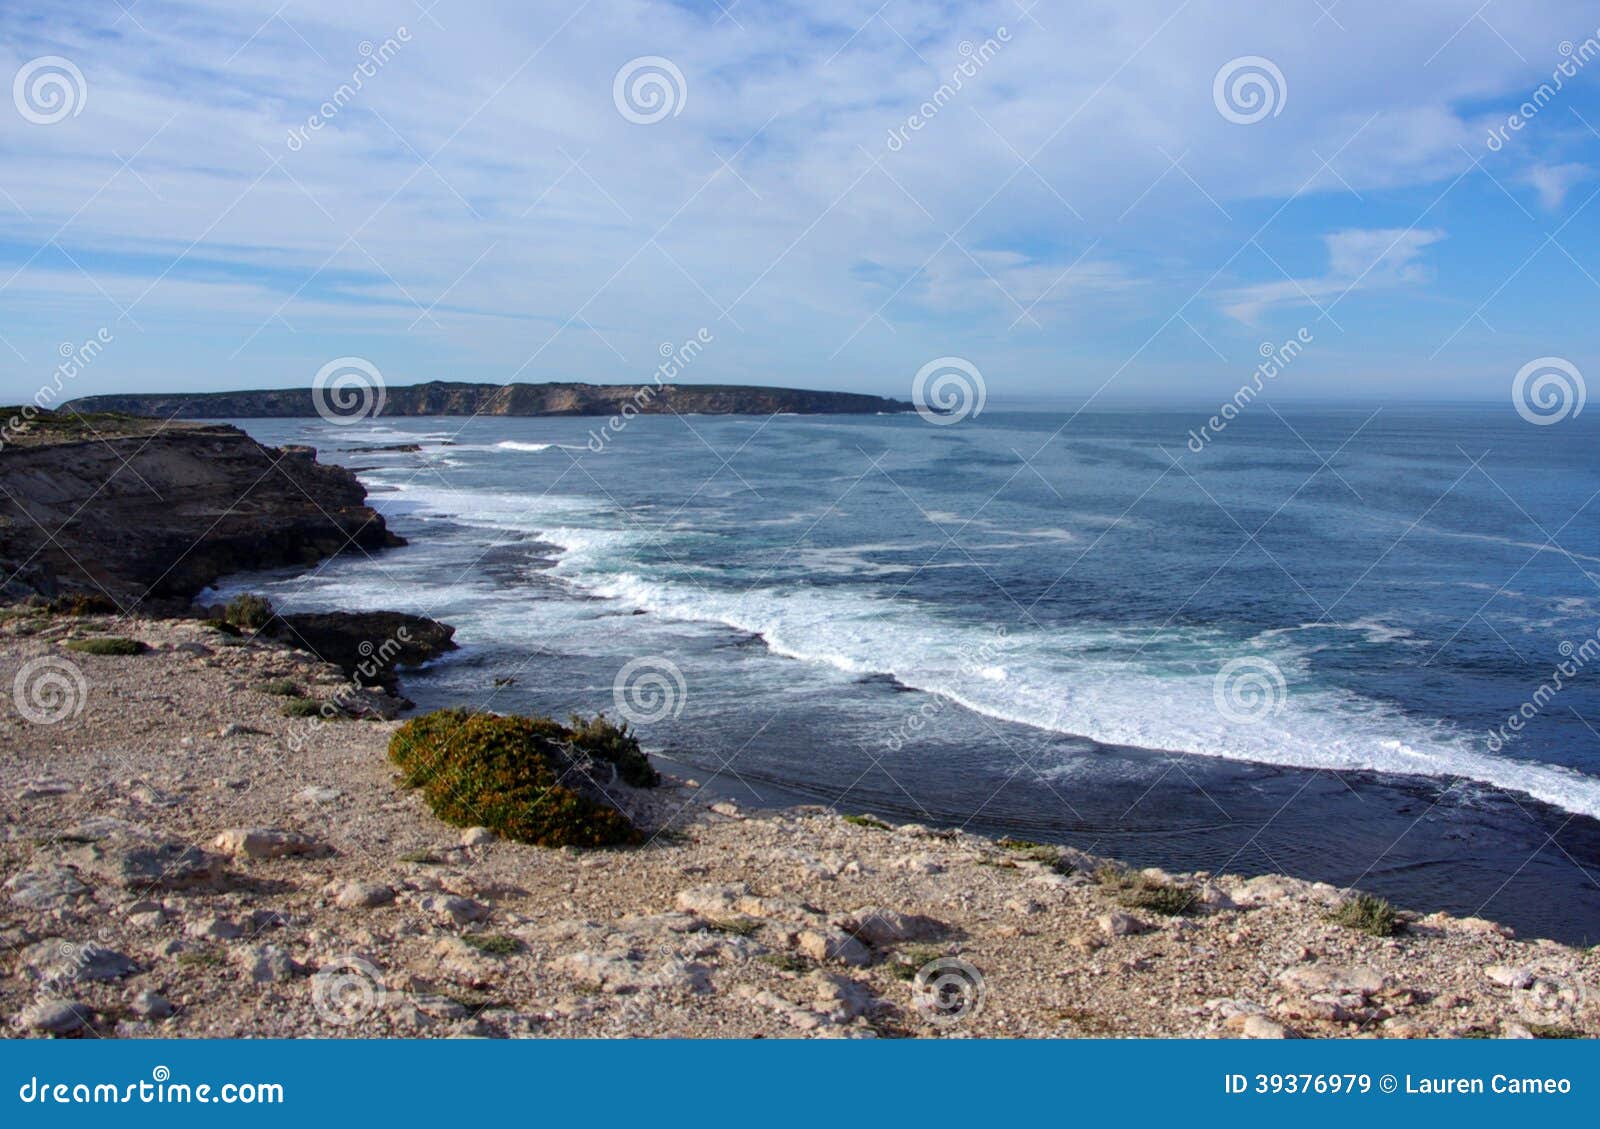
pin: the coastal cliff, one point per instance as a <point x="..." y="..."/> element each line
<point x="442" y="398"/>
<point x="135" y="511"/>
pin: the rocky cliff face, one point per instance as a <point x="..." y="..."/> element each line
<point x="148" y="514"/>
<point x="440" y="398"/>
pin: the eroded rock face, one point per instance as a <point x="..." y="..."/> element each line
<point x="149" y="513"/>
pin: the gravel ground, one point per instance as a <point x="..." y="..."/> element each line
<point x="182" y="859"/>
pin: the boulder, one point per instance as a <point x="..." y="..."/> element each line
<point x="55" y="1017"/>
<point x="882" y="927"/>
<point x="46" y="886"/>
<point x="267" y="843"/>
<point x="138" y="862"/>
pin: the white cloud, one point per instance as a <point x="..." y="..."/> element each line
<point x="1358" y="259"/>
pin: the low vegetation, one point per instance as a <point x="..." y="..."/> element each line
<point x="282" y="688"/>
<point x="106" y="645"/>
<point x="1138" y="890"/>
<point x="248" y="612"/>
<point x="867" y="821"/>
<point x="1368" y="914"/>
<point x="494" y="944"/>
<point x="81" y="604"/>
<point x="529" y="779"/>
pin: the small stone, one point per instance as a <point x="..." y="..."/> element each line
<point x="317" y="795"/>
<point x="1332" y="980"/>
<point x="917" y="864"/>
<point x="43" y="789"/>
<point x="882" y="927"/>
<point x="48" y="886"/>
<point x="833" y="945"/>
<point x="711" y="901"/>
<point x="1119" y="924"/>
<point x="148" y="1005"/>
<point x="267" y="843"/>
<point x="1260" y="1027"/>
<point x="65" y="962"/>
<point x="477" y="837"/>
<point x="727" y="808"/>
<point x="214" y="928"/>
<point x="1509" y="977"/>
<point x="460" y="910"/>
<point x="267" y="964"/>
<point x="55" y="1017"/>
<point x="363" y="895"/>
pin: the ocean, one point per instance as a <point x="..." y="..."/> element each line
<point x="1354" y="645"/>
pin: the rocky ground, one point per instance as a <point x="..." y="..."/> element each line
<point x="182" y="859"/>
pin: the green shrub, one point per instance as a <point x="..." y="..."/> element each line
<point x="524" y="778"/>
<point x="107" y="645"/>
<point x="495" y="944"/>
<point x="1368" y="914"/>
<point x="1139" y="891"/>
<point x="82" y="604"/>
<point x="614" y="745"/>
<point x="867" y="821"/>
<point x="248" y="611"/>
<point x="281" y="688"/>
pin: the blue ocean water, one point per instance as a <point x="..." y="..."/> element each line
<point x="1292" y="647"/>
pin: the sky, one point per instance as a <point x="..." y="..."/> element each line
<point x="1103" y="202"/>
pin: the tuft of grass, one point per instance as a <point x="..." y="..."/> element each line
<point x="787" y="962"/>
<point x="908" y="961"/>
<point x="423" y="858"/>
<point x="309" y="707"/>
<point x="106" y="645"/>
<point x="1138" y="891"/>
<point x="1036" y="852"/>
<point x="281" y="688"/>
<point x="1367" y="914"/>
<point x="527" y="779"/>
<point x="82" y="604"/>
<point x="738" y="926"/>
<point x="1554" y="1031"/>
<point x="221" y="627"/>
<point x="495" y="944"/>
<point x="248" y="612"/>
<point x="867" y="821"/>
<point x="200" y="958"/>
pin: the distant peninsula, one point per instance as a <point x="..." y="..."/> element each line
<point x="446" y="398"/>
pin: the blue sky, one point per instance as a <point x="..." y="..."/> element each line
<point x="1089" y="214"/>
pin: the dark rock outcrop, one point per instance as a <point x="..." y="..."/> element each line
<point x="370" y="647"/>
<point x="149" y="513"/>
<point x="442" y="398"/>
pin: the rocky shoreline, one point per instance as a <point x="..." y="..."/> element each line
<point x="186" y="856"/>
